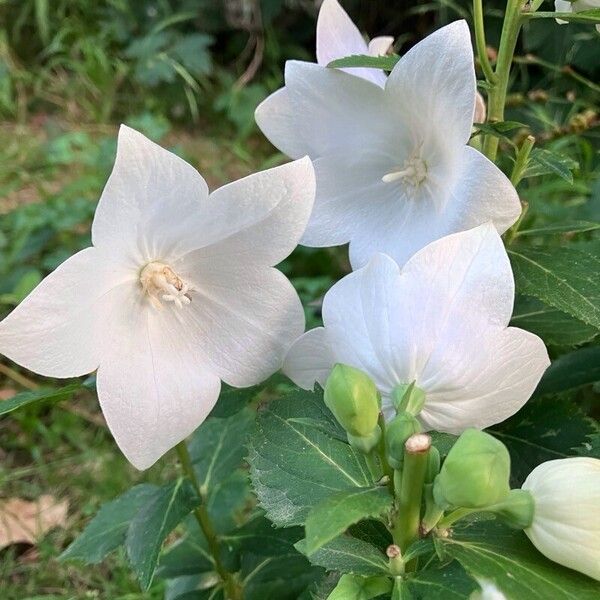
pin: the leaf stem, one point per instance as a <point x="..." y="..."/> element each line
<point x="484" y="61"/>
<point x="406" y="528"/>
<point x="497" y="93"/>
<point x="454" y="516"/>
<point x="231" y="587"/>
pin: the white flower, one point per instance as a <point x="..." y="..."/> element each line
<point x="440" y="321"/>
<point x="176" y="294"/>
<point x="394" y="171"/>
<point x="338" y="37"/>
<point x="488" y="591"/>
<point x="566" y="518"/>
<point x="565" y="6"/>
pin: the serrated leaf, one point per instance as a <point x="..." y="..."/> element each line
<point x="542" y="162"/>
<point x="217" y="447"/>
<point x="294" y="466"/>
<point x="555" y="327"/>
<point x="544" y="429"/>
<point x="492" y="551"/>
<point x="40" y="395"/>
<point x="561" y="228"/>
<point x="499" y="129"/>
<point x="448" y="582"/>
<point x="591" y="447"/>
<point x="348" y="554"/>
<point x="107" y="530"/>
<point x="570" y="371"/>
<point x="564" y="278"/>
<point x="336" y="513"/>
<point x="386" y="63"/>
<point x="153" y="522"/>
<point x="232" y="401"/>
<point x="355" y="587"/>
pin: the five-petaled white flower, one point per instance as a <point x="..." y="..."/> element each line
<point x="566" y="512"/>
<point x="440" y="321"/>
<point x="394" y="171"/>
<point x="338" y="37"/>
<point x="565" y="6"/>
<point x="177" y="293"/>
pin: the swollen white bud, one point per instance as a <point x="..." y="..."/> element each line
<point x="566" y="518"/>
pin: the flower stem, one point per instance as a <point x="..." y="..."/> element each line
<point x="522" y="160"/>
<point x="454" y="516"/>
<point x="498" y="89"/>
<point x="231" y="587"/>
<point x="484" y="61"/>
<point x="406" y="528"/>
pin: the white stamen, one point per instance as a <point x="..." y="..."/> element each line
<point x="413" y="171"/>
<point x="161" y="283"/>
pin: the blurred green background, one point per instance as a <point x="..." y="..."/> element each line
<point x="189" y="74"/>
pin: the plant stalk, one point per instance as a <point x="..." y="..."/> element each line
<point x="231" y="587"/>
<point x="484" y="61"/>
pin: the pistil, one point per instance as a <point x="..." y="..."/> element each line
<point x="162" y="284"/>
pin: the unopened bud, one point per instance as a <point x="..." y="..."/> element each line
<point x="566" y="515"/>
<point x="352" y="397"/>
<point x="398" y="430"/>
<point x="433" y="465"/>
<point x="475" y="473"/>
<point x="365" y="443"/>
<point x="407" y="397"/>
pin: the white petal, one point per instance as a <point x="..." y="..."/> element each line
<point x="310" y="359"/>
<point x="258" y="219"/>
<point x="480" y="380"/>
<point x="154" y="387"/>
<point x="380" y="46"/>
<point x="338" y="37"/>
<point x="482" y="193"/>
<point x="365" y="325"/>
<point x="246" y="318"/>
<point x="276" y="118"/>
<point x="434" y="84"/>
<point x="57" y="331"/>
<point x="147" y="208"/>
<point x="566" y="522"/>
<point x="334" y="110"/>
<point x="562" y="6"/>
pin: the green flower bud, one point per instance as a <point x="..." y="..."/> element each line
<point x="433" y="464"/>
<point x="407" y="397"/>
<point x="365" y="443"/>
<point x="398" y="430"/>
<point x="475" y="473"/>
<point x="354" y="400"/>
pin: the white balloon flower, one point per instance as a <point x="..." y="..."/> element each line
<point x="566" y="516"/>
<point x="394" y="171"/>
<point x="566" y="6"/>
<point x="177" y="293"/>
<point x="441" y="321"/>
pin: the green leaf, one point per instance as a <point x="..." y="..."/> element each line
<point x="570" y="371"/>
<point x="449" y="582"/>
<point x="499" y="129"/>
<point x="542" y="162"/>
<point x="217" y="447"/>
<point x="154" y="522"/>
<point x="560" y="277"/>
<point x="591" y="447"/>
<point x="491" y="551"/>
<point x="566" y="228"/>
<point x="542" y="430"/>
<point x="555" y="327"/>
<point x="585" y="16"/>
<point x="354" y="587"/>
<point x="348" y="554"/>
<point x="295" y="465"/>
<point x="387" y="63"/>
<point x="40" y="395"/>
<point x="107" y="530"/>
<point x="336" y="513"/>
<point x="232" y="400"/>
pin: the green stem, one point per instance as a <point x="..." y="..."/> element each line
<point x="454" y="516"/>
<point x="231" y="587"/>
<point x="385" y="465"/>
<point x="512" y="233"/>
<point x="406" y="528"/>
<point x="497" y="92"/>
<point x="522" y="159"/>
<point x="484" y="61"/>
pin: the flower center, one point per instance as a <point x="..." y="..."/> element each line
<point x="162" y="284"/>
<point x="413" y="172"/>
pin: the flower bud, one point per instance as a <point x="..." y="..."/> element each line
<point x="407" y="397"/>
<point x="353" y="399"/>
<point x="566" y="516"/>
<point x="433" y="464"/>
<point x="365" y="443"/>
<point x="475" y="473"/>
<point x="398" y="430"/>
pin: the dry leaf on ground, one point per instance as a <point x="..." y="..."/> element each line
<point x="24" y="522"/>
